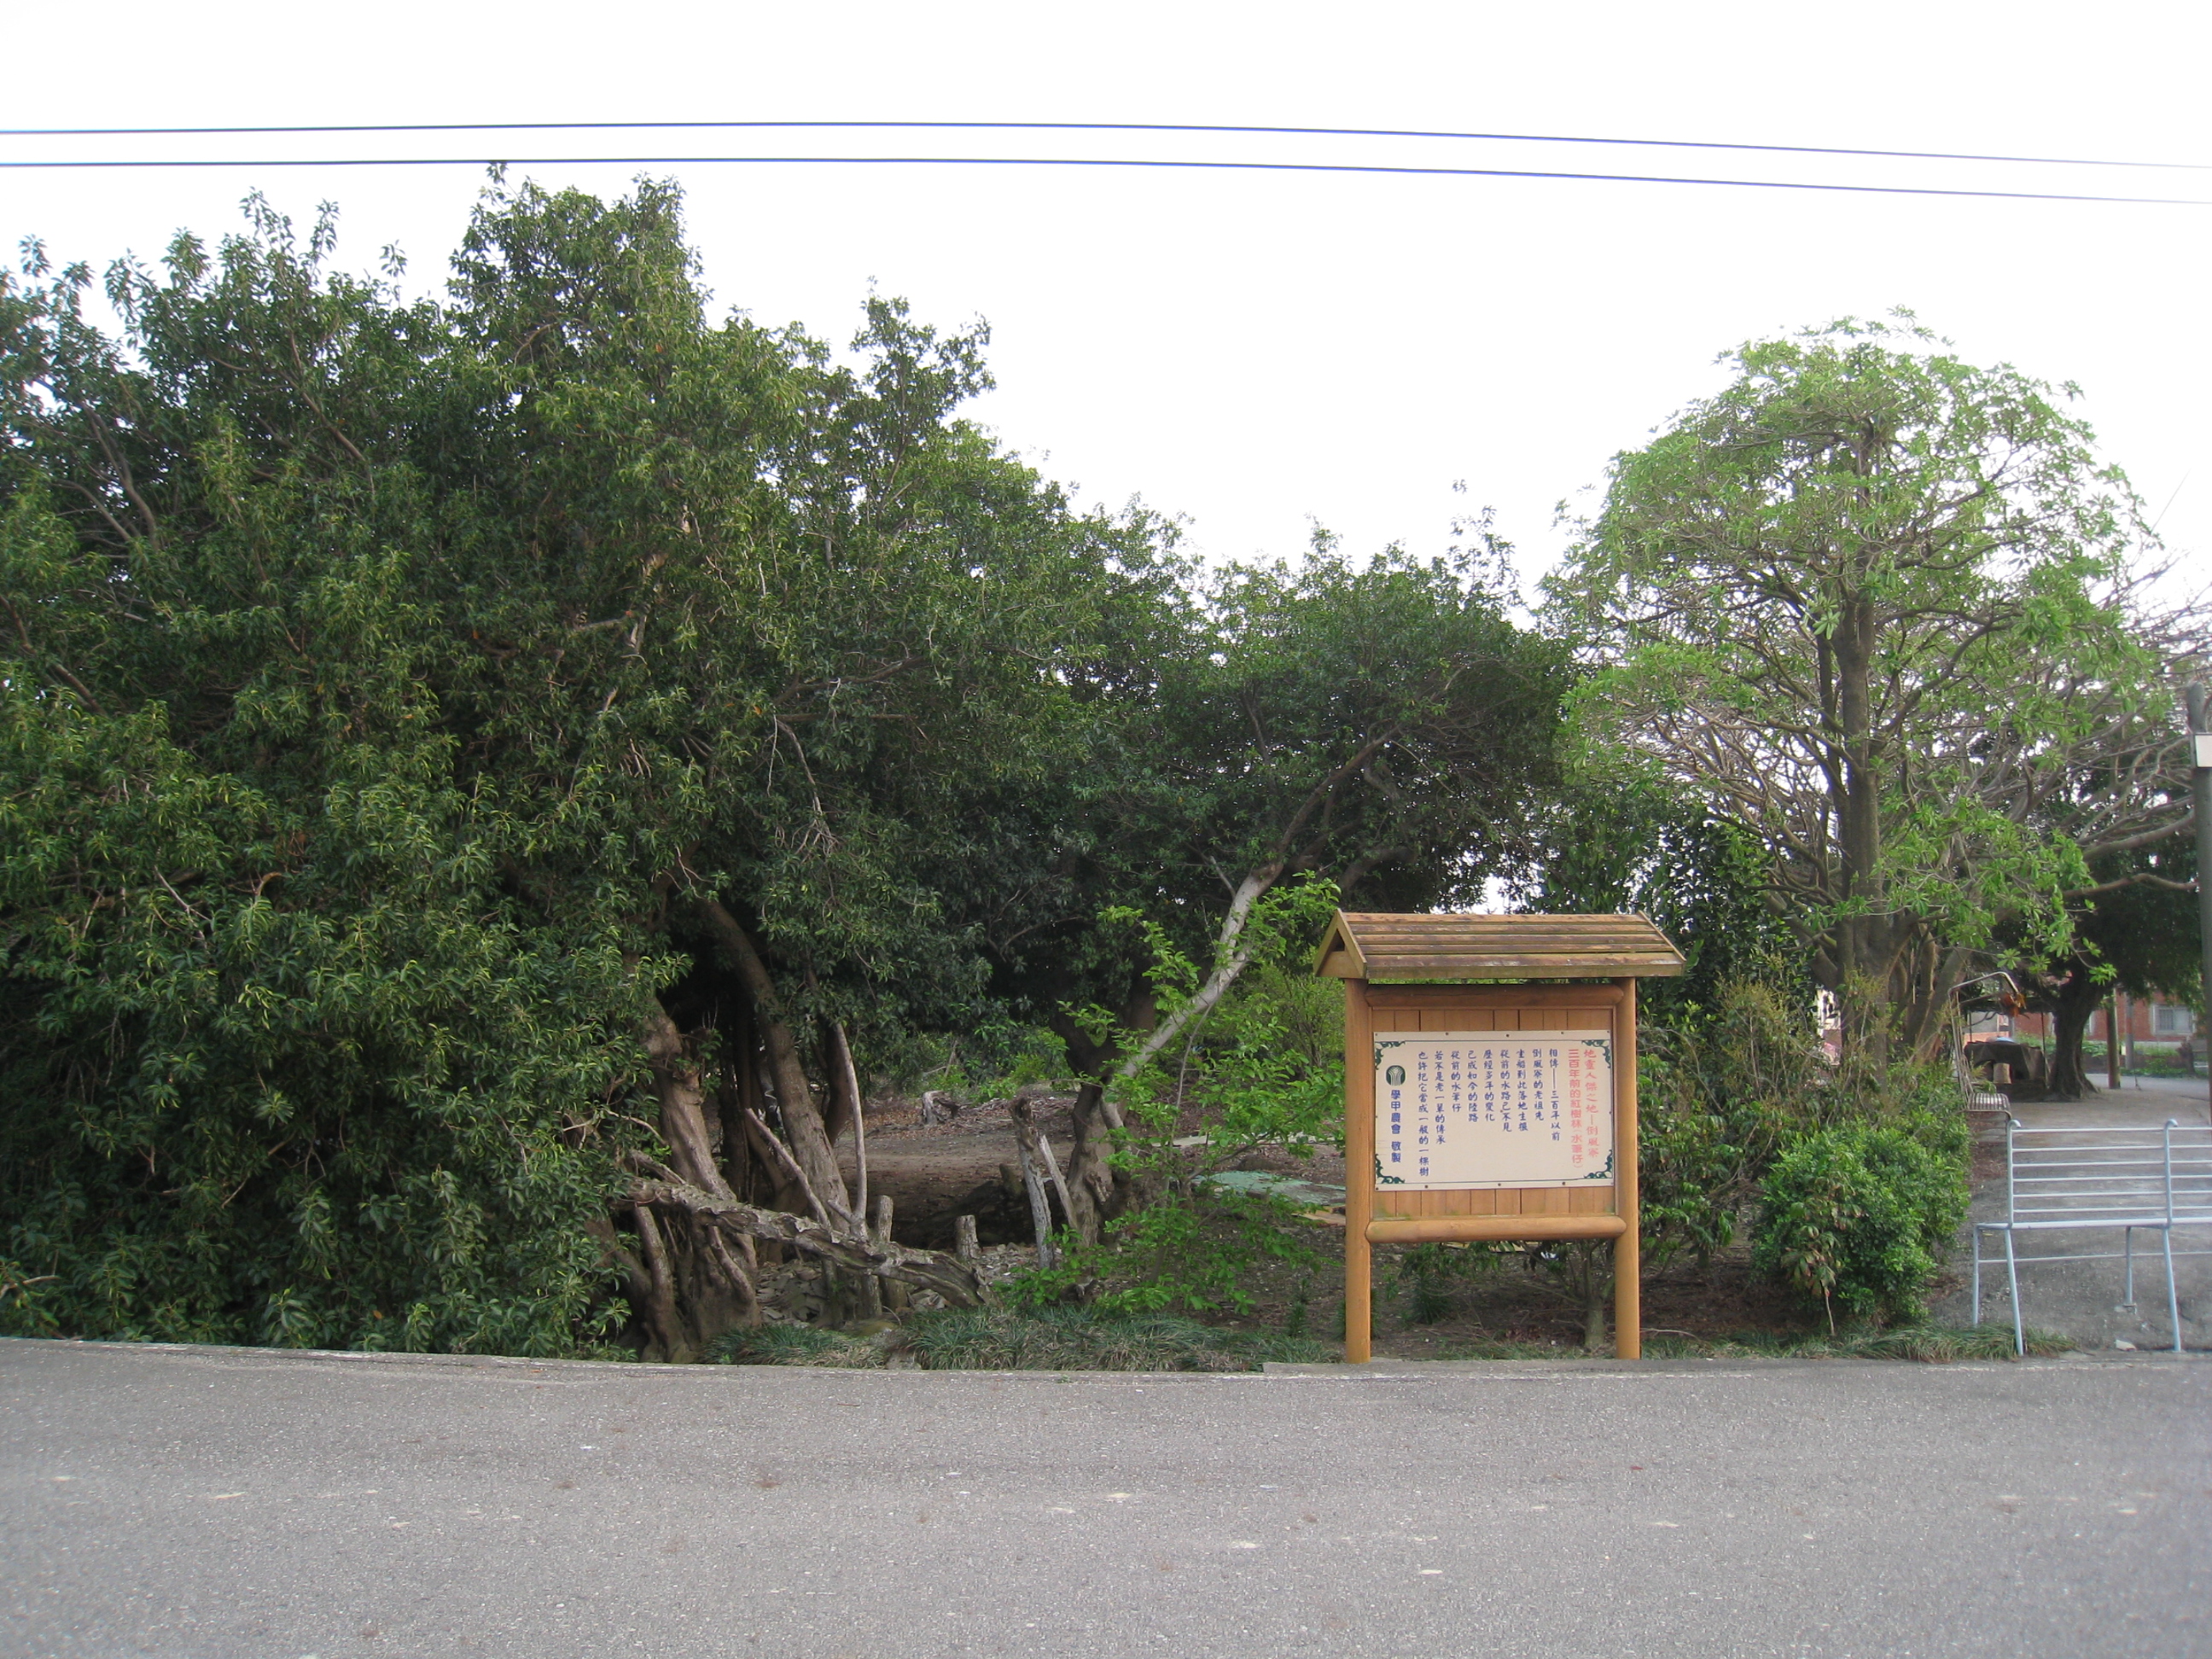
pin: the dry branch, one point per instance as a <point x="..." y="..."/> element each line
<point x="930" y="1270"/>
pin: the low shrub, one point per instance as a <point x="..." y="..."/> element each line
<point x="782" y="1344"/>
<point x="1003" y="1339"/>
<point x="1074" y="1339"/>
<point x="1930" y="1345"/>
<point x="1859" y="1215"/>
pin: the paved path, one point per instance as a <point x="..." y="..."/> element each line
<point x="2138" y="1100"/>
<point x="239" y="1504"/>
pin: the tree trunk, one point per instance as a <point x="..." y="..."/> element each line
<point x="846" y="1105"/>
<point x="698" y="1288"/>
<point x="1865" y="950"/>
<point x="1921" y="994"/>
<point x="786" y="1190"/>
<point x="738" y="1092"/>
<point x="1230" y="959"/>
<point x="2071" y="1010"/>
<point x="682" y="1102"/>
<point x="662" y="1330"/>
<point x="930" y="1270"/>
<point x="1597" y="1296"/>
<point x="895" y="1297"/>
<point x="1026" y="1143"/>
<point x="663" y="1323"/>
<point x="803" y="1125"/>
<point x="1097" y="1192"/>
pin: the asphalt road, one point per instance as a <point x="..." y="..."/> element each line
<point x="205" y="1502"/>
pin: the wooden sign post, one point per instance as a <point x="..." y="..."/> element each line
<point x="1490" y="1088"/>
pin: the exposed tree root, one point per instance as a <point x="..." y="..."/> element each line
<point x="931" y="1270"/>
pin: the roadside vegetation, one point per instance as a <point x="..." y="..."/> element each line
<point x="493" y="786"/>
<point x="1929" y="1344"/>
<point x="1062" y="1338"/>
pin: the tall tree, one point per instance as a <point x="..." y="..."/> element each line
<point x="1618" y="841"/>
<point x="480" y="776"/>
<point x="2135" y="931"/>
<point x="477" y="770"/>
<point x="1877" y="605"/>
<point x="1381" y="724"/>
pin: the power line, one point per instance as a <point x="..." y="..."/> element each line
<point x="1092" y="162"/>
<point x="1080" y="126"/>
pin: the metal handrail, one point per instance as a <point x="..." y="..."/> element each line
<point x="2072" y="1183"/>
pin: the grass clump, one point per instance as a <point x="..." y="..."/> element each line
<point x="1071" y="1339"/>
<point x="1930" y="1345"/>
<point x="1052" y="1339"/>
<point x="781" y="1344"/>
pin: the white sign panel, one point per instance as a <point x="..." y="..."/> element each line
<point x="1493" y="1108"/>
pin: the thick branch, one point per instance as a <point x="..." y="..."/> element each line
<point x="948" y="1276"/>
<point x="846" y="1078"/>
<point x="802" y="1121"/>
<point x="1231" y="961"/>
<point x="2142" y="879"/>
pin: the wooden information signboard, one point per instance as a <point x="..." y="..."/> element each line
<point x="1490" y="1087"/>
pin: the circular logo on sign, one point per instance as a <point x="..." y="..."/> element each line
<point x="1396" y="1074"/>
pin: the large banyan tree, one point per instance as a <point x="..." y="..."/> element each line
<point x="479" y="779"/>
<point x="1889" y="614"/>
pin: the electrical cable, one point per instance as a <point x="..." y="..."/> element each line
<point x="1092" y="162"/>
<point x="1080" y="126"/>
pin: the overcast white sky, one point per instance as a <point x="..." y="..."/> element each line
<point x="1257" y="352"/>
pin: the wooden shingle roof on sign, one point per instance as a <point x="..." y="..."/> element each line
<point x="1368" y="944"/>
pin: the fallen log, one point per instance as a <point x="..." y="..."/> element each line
<point x="931" y="1270"/>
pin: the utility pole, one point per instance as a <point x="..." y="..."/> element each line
<point x="2200" y="743"/>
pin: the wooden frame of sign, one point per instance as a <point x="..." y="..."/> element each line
<point x="1490" y="1088"/>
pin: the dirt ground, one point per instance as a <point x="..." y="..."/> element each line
<point x="934" y="1172"/>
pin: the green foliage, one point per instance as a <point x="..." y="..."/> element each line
<point x="779" y="1343"/>
<point x="1717" y="1100"/>
<point x="1250" y="1072"/>
<point x="1860" y="1216"/>
<point x="1302" y="1012"/>
<point x="1623" y="839"/>
<point x="994" y="1057"/>
<point x="383" y="675"/>
<point x="1191" y="1247"/>
<point x="1002" y="1339"/>
<point x="1095" y="1338"/>
<point x="1873" y="604"/>
<point x="1928" y="1345"/>
<point x="1427" y="1276"/>
<point x="283" y="1061"/>
<point x="2141" y="935"/>
<point x="1380" y="723"/>
<point x="388" y="683"/>
<point x="1727" y="1100"/>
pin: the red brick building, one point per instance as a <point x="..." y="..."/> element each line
<point x="2143" y="1019"/>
